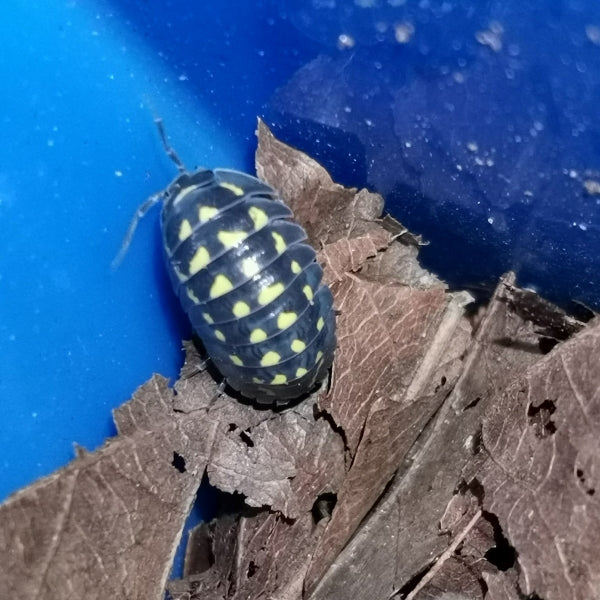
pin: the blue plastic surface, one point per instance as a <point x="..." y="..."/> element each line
<point x="477" y="121"/>
<point x="81" y="84"/>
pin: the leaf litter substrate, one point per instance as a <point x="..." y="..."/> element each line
<point x="453" y="454"/>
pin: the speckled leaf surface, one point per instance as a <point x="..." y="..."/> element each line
<point x="438" y="492"/>
<point x="544" y="470"/>
<point x="108" y="524"/>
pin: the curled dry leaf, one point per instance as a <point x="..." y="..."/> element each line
<point x="327" y="210"/>
<point x="391" y="337"/>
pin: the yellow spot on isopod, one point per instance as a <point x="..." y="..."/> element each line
<point x="205" y="213"/>
<point x="268" y="294"/>
<point x="298" y="346"/>
<point x="269" y="359"/>
<point x="192" y="296"/>
<point x="258" y="335"/>
<point x="179" y="274"/>
<point x="236" y="360"/>
<point x="257" y="380"/>
<point x="219" y="335"/>
<point x="230" y="239"/>
<point x="308" y="292"/>
<point x="259" y="217"/>
<point x="320" y="324"/>
<point x="240" y="309"/>
<point x="200" y="259"/>
<point x="286" y="319"/>
<point x="208" y="318"/>
<point x="185" y="230"/>
<point x="184" y="192"/>
<point x="296" y="267"/>
<point x="236" y="189"/>
<point x="280" y="244"/>
<point x="250" y="266"/>
<point x="319" y="357"/>
<point x="221" y="285"/>
<point x="279" y="379"/>
<point x="301" y="371"/>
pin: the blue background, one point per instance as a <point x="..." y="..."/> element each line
<point x="480" y="127"/>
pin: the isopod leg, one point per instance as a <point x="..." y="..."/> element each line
<point x="220" y="390"/>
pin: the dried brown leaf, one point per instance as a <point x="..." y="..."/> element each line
<point x="542" y="478"/>
<point x="351" y="255"/>
<point x="399" y="264"/>
<point x="427" y="505"/>
<point x="455" y="580"/>
<point x="284" y="462"/>
<point x="392" y="336"/>
<point x="273" y="556"/>
<point x="270" y="561"/>
<point x="108" y="524"/>
<point x="382" y="398"/>
<point x="500" y="586"/>
<point x="327" y="210"/>
<point x="209" y="561"/>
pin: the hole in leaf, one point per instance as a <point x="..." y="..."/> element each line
<point x="590" y="491"/>
<point x="502" y="555"/>
<point x="473" y="403"/>
<point x="178" y="462"/>
<point x="546" y="344"/>
<point x="246" y="439"/>
<point x="252" y="568"/>
<point x="540" y="418"/>
<point x="477" y="489"/>
<point x="441" y="384"/>
<point x="323" y="506"/>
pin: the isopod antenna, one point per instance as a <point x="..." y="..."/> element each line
<point x="143" y="209"/>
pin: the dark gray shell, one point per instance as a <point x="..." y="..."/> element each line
<point x="249" y="283"/>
